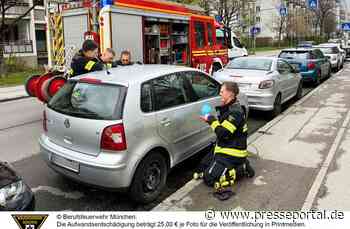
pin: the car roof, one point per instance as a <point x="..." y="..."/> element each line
<point x="134" y="74"/>
<point x="258" y="57"/>
<point x="303" y="49"/>
<point x="328" y="45"/>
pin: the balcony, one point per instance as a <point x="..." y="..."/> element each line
<point x="16" y="47"/>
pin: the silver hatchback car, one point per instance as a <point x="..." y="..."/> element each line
<point x="268" y="82"/>
<point x="126" y="129"/>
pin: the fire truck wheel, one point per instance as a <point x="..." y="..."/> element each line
<point x="216" y="67"/>
<point x="30" y="85"/>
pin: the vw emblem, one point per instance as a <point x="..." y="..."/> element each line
<point x="67" y="123"/>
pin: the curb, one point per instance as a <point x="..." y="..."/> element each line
<point x="176" y="197"/>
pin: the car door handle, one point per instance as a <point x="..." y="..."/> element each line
<point x="165" y="122"/>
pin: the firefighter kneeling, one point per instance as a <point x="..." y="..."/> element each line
<point x="228" y="161"/>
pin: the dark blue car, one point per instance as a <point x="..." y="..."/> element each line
<point x="312" y="64"/>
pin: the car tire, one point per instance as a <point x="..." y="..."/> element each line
<point x="318" y="79"/>
<point x="149" y="179"/>
<point x="299" y="93"/>
<point x="216" y="67"/>
<point x="329" y="74"/>
<point x="277" y="106"/>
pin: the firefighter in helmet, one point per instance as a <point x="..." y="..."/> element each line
<point x="86" y="60"/>
<point x="229" y="158"/>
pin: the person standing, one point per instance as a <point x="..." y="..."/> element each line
<point x="86" y="60"/>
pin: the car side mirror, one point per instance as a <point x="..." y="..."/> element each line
<point x="328" y="57"/>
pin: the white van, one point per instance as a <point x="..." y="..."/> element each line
<point x="236" y="49"/>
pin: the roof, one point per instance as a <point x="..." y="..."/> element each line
<point x="298" y="49"/>
<point x="134" y="74"/>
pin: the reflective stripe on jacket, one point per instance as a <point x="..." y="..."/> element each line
<point x="231" y="131"/>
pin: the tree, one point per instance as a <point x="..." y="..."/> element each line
<point x="5" y="6"/>
<point x="322" y="12"/>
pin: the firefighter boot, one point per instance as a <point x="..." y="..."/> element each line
<point x="225" y="181"/>
<point x="249" y="171"/>
<point x="198" y="176"/>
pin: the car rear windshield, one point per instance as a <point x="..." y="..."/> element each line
<point x="91" y="101"/>
<point x="251" y="64"/>
<point x="295" y="55"/>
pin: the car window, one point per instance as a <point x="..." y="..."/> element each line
<point x="210" y="34"/>
<point x="237" y="42"/>
<point x="319" y="54"/>
<point x="313" y="55"/>
<point x="200" y="86"/>
<point x="91" y="101"/>
<point x="250" y="63"/>
<point x="283" y="67"/>
<point x="169" y="92"/>
<point x="200" y="34"/>
<point x="146" y="97"/>
<point x="294" y="55"/>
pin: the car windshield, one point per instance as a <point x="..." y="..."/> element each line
<point x="294" y="55"/>
<point x="251" y="64"/>
<point x="92" y="101"/>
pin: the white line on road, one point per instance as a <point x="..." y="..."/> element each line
<point x="325" y="166"/>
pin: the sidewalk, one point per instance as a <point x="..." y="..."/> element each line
<point x="12" y="93"/>
<point x="267" y="53"/>
<point x="302" y="159"/>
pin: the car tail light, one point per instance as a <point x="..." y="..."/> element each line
<point x="311" y="66"/>
<point x="44" y="121"/>
<point x="266" y="84"/>
<point x="113" y="138"/>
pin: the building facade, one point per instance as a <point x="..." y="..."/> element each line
<point x="26" y="40"/>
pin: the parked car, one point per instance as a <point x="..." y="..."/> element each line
<point x="15" y="195"/>
<point x="268" y="82"/>
<point x="332" y="52"/>
<point x="305" y="44"/>
<point x="126" y="130"/>
<point x="311" y="62"/>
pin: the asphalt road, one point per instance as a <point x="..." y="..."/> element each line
<point x="20" y="128"/>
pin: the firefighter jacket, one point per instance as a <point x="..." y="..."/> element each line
<point x="81" y="65"/>
<point x="231" y="130"/>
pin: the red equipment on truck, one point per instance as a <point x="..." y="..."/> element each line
<point x="154" y="31"/>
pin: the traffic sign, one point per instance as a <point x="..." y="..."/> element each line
<point x="255" y="30"/>
<point x="312" y="4"/>
<point x="283" y="11"/>
<point x="345" y="26"/>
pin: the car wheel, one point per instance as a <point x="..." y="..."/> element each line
<point x="329" y="74"/>
<point x="318" y="79"/>
<point x="149" y="179"/>
<point x="216" y="67"/>
<point x="299" y="93"/>
<point x="277" y="106"/>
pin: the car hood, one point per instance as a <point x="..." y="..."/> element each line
<point x="7" y="175"/>
<point x="241" y="75"/>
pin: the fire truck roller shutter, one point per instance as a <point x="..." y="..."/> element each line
<point x="75" y="25"/>
<point x="127" y="34"/>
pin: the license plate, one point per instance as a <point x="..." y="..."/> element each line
<point x="244" y="85"/>
<point x="65" y="163"/>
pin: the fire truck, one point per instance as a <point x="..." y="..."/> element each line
<point x="154" y="31"/>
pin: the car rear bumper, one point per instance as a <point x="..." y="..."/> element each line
<point x="257" y="101"/>
<point x="111" y="175"/>
<point x="309" y="76"/>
